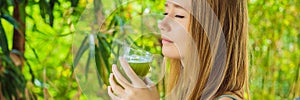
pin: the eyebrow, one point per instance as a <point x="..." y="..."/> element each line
<point x="175" y="5"/>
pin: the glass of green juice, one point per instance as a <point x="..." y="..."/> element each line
<point x="148" y="66"/>
<point x="139" y="60"/>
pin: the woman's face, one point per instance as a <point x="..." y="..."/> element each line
<point x="174" y="28"/>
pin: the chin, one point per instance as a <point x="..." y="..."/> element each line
<point x="170" y="51"/>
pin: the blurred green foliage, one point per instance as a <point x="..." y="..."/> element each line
<point x="48" y="47"/>
<point x="274" y="49"/>
<point x="274" y="44"/>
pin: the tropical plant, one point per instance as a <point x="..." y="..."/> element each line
<point x="19" y="21"/>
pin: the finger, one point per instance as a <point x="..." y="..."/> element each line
<point x="111" y="94"/>
<point x="115" y="87"/>
<point x="131" y="74"/>
<point x="148" y="82"/>
<point x="120" y="79"/>
<point x="151" y="86"/>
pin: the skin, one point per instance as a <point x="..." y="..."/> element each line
<point x="174" y="29"/>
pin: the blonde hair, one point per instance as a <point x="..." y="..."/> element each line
<point x="190" y="82"/>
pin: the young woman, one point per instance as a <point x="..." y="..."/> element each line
<point x="206" y="43"/>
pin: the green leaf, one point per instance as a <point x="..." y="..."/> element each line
<point x="101" y="67"/>
<point x="104" y="49"/>
<point x="50" y="12"/>
<point x="91" y="54"/>
<point x="3" y="41"/>
<point x="4" y="4"/>
<point x="83" y="47"/>
<point x="43" y="7"/>
<point x="102" y="53"/>
<point x="87" y="66"/>
<point x="7" y="60"/>
<point x="31" y="71"/>
<point x="74" y="3"/>
<point x="35" y="53"/>
<point x="12" y="21"/>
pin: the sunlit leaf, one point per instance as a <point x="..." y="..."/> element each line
<point x="3" y="41"/>
<point x="12" y="21"/>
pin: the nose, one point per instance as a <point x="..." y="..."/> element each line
<point x="164" y="25"/>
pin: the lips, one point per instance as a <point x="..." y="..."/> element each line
<point x="165" y="40"/>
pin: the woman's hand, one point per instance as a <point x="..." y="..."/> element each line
<point x="128" y="91"/>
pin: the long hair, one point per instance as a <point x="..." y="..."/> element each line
<point x="189" y="83"/>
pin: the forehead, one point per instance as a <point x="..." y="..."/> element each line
<point x="186" y="4"/>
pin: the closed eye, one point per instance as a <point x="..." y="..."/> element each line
<point x="179" y="16"/>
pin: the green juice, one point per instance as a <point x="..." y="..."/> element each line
<point x="139" y="61"/>
<point x="140" y="68"/>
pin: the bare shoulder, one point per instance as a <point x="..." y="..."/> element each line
<point x="225" y="98"/>
<point x="228" y="97"/>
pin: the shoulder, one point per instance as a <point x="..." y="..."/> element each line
<point x="228" y="97"/>
<point x="225" y="98"/>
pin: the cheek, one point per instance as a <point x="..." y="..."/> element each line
<point x="170" y="51"/>
<point x="180" y="36"/>
<point x="179" y="32"/>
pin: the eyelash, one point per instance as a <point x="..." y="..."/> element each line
<point x="178" y="16"/>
